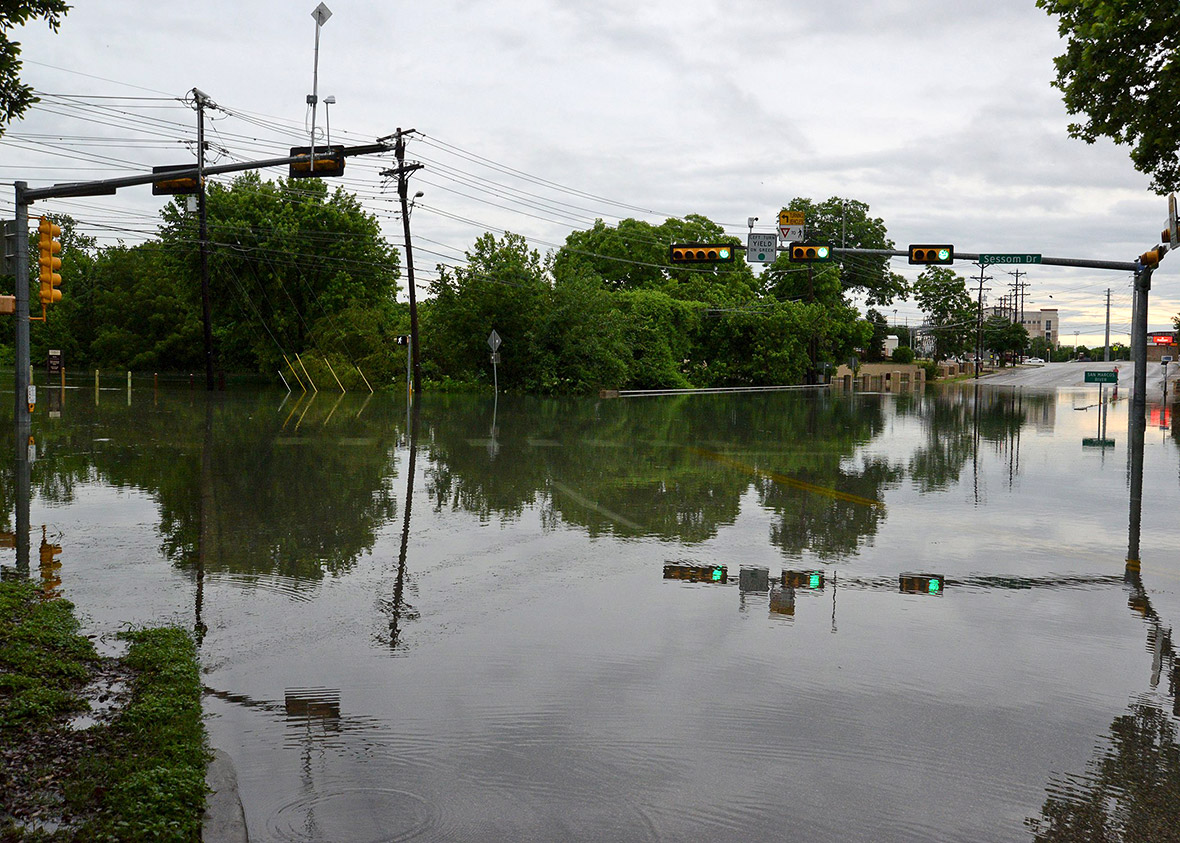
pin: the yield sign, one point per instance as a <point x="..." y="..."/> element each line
<point x="790" y="225"/>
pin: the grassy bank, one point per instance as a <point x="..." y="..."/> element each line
<point x="132" y="768"/>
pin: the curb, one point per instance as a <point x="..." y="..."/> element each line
<point x="225" y="819"/>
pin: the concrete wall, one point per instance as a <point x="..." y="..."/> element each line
<point x="880" y="377"/>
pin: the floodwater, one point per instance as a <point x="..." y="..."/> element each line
<point x="797" y="615"/>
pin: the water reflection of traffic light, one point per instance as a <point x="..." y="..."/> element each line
<point x="697" y="573"/>
<point x="50" y="567"/>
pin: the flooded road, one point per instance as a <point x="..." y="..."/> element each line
<point x="776" y="616"/>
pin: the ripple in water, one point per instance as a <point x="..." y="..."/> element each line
<point x="356" y="814"/>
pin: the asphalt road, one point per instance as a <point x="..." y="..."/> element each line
<point x="1070" y="375"/>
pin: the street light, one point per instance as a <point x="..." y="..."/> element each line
<point x="328" y="100"/>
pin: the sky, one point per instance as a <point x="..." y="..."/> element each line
<point x="539" y="116"/>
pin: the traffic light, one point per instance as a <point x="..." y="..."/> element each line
<point x="697" y="573"/>
<point x="1151" y="259"/>
<point x="185" y="185"/>
<point x="921" y="583"/>
<point x="809" y="252"/>
<point x="938" y="254"/>
<point x="803" y="579"/>
<point x="329" y="161"/>
<point x="701" y="252"/>
<point x="48" y="245"/>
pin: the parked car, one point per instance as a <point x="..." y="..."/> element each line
<point x="1034" y="360"/>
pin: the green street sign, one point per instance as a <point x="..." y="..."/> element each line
<point x="1102" y="377"/>
<point x="1097" y="443"/>
<point x="989" y="259"/>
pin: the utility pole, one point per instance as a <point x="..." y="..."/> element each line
<point x="202" y="100"/>
<point x="1018" y="294"/>
<point x="1106" y="350"/>
<point x="402" y="171"/>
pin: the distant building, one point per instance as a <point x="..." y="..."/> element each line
<point x="891" y="343"/>
<point x="1043" y="323"/>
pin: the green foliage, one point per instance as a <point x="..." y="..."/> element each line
<point x="1121" y="68"/>
<point x="139" y="777"/>
<point x="634" y="256"/>
<point x="943" y="297"/>
<point x="875" y="350"/>
<point x="903" y="354"/>
<point x="43" y="659"/>
<point x="15" y="96"/>
<point x="1003" y="336"/>
<point x="658" y="329"/>
<point x="846" y="222"/>
<point x="294" y="269"/>
<point x="504" y="287"/>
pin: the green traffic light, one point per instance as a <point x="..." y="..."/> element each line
<point x="716" y="575"/>
<point x="723" y="254"/>
<point x="934" y="585"/>
<point x="814" y="581"/>
<point x="822" y="252"/>
<point x="943" y="254"/>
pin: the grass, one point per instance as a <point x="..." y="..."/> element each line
<point x="137" y="774"/>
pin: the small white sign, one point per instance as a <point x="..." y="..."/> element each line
<point x="790" y="233"/>
<point x="494" y="341"/>
<point x="761" y="248"/>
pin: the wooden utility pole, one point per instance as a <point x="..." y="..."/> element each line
<point x="402" y="171"/>
<point x="201" y="100"/>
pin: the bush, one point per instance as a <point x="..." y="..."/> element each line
<point x="903" y="354"/>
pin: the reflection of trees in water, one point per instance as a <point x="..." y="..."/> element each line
<point x="1131" y="791"/>
<point x="955" y="417"/>
<point x="672" y="467"/>
<point x="275" y="499"/>
<point x="829" y="526"/>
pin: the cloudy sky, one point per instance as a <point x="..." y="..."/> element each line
<point x="538" y="116"/>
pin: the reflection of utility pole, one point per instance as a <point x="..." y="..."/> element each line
<point x="398" y="605"/>
<point x="979" y="320"/>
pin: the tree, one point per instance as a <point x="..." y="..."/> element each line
<point x="503" y="287"/>
<point x="633" y="255"/>
<point x="1121" y="68"/>
<point x="943" y="297"/>
<point x="876" y="349"/>
<point x="1002" y="336"/>
<point x="287" y="260"/>
<point x="846" y="222"/>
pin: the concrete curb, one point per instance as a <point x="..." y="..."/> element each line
<point x="225" y="819"/>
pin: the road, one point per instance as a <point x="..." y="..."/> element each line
<point x="1069" y="375"/>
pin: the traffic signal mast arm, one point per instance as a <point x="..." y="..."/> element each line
<point x="107" y="187"/>
<point x="1119" y="266"/>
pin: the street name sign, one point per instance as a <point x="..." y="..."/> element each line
<point x="1102" y="377"/>
<point x="761" y="248"/>
<point x="1009" y="258"/>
